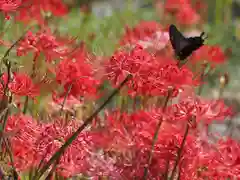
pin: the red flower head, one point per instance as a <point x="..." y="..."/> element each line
<point x="151" y="76"/>
<point x="22" y="85"/>
<point x="75" y="159"/>
<point x="25" y="132"/>
<point x="128" y="138"/>
<point x="144" y="31"/>
<point x="32" y="10"/>
<point x="12" y="5"/>
<point x="191" y="106"/>
<point x="213" y="54"/>
<point x="218" y="161"/>
<point x="42" y="42"/>
<point x="78" y="75"/>
<point x="187" y="16"/>
<point x="175" y="5"/>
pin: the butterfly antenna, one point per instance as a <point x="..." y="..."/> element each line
<point x="202" y="34"/>
<point x="205" y="37"/>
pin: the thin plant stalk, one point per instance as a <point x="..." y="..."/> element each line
<point x="66" y="95"/>
<point x="69" y="141"/>
<point x="25" y="107"/>
<point x="65" y="98"/>
<point x="155" y="137"/>
<point x="179" y="152"/>
<point x="200" y="89"/>
<point x="9" y="150"/>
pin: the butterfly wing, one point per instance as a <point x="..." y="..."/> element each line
<point x="178" y="41"/>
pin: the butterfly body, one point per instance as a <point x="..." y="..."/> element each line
<point x="184" y="46"/>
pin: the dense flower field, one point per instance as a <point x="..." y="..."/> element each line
<point x="137" y="113"/>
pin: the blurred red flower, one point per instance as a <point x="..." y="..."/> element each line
<point x="42" y="42"/>
<point x="22" y="85"/>
<point x="25" y="133"/>
<point x="187" y="16"/>
<point x="33" y="10"/>
<point x="175" y="5"/>
<point x="9" y="5"/>
<point x="213" y="54"/>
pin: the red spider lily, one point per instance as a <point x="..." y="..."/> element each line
<point x="9" y="5"/>
<point x="143" y="31"/>
<point x="187" y="16"/>
<point x="199" y="108"/>
<point x="183" y="11"/>
<point x="25" y="132"/>
<point x="42" y="42"/>
<point x="175" y="5"/>
<point x="34" y="8"/>
<point x="218" y="161"/>
<point x="77" y="77"/>
<point x="213" y="54"/>
<point x="151" y="76"/>
<point x="75" y="159"/>
<point x="22" y="85"/>
<point x="128" y="138"/>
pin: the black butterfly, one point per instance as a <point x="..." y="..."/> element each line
<point x="183" y="46"/>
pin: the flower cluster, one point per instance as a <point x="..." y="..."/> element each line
<point x="42" y="42"/>
<point x="20" y="85"/>
<point x="213" y="54"/>
<point x="28" y="10"/>
<point x="76" y="74"/>
<point x="151" y="75"/>
<point x="183" y="11"/>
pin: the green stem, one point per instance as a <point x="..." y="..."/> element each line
<point x="25" y="105"/>
<point x="200" y="89"/>
<point x="9" y="150"/>
<point x="155" y="137"/>
<point x="68" y="142"/>
<point x="65" y="98"/>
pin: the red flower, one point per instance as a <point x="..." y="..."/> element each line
<point x="143" y="31"/>
<point x="75" y="159"/>
<point x="175" y="5"/>
<point x="187" y="16"/>
<point x="32" y="10"/>
<point x="22" y="85"/>
<point x="25" y="132"/>
<point x="218" y="161"/>
<point x="78" y="76"/>
<point x="42" y="42"/>
<point x="200" y="109"/>
<point x="216" y="55"/>
<point x="128" y="138"/>
<point x="213" y="54"/>
<point x="9" y="5"/>
<point x="151" y="75"/>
